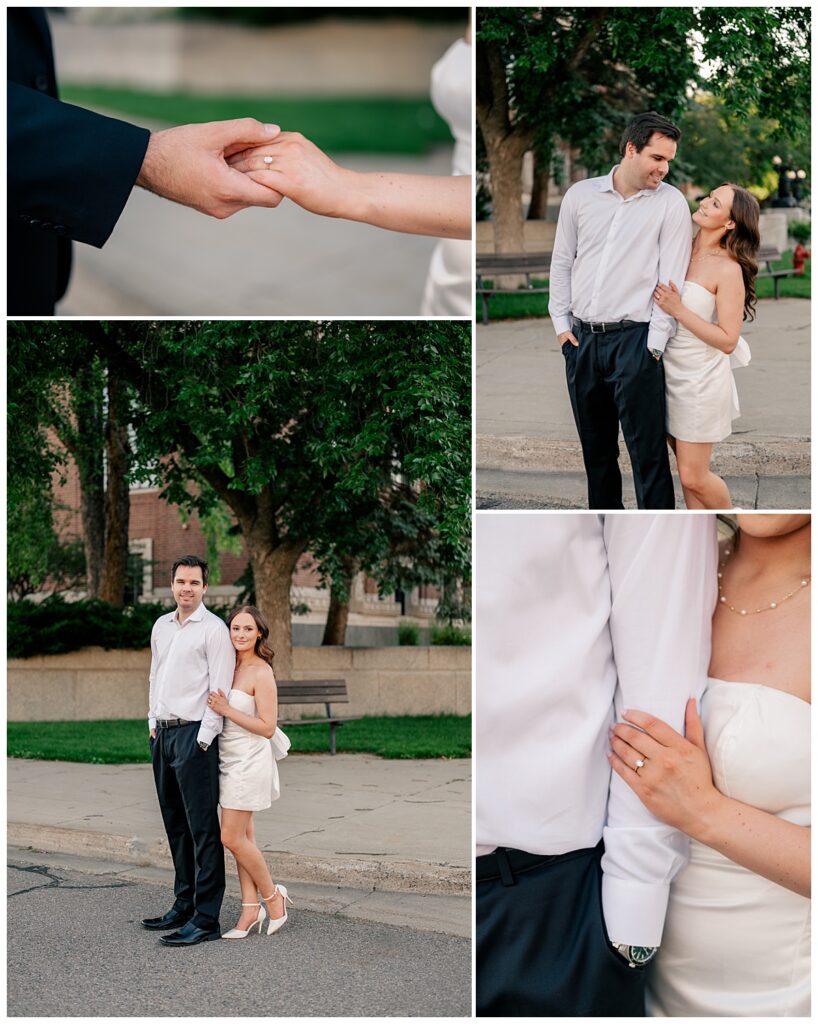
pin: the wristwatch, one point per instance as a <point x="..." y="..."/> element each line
<point x="204" y="746"/>
<point x="636" y="956"/>
<point x="656" y="353"/>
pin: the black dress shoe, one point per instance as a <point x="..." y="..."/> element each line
<point x="190" y="935"/>
<point x="173" y="919"/>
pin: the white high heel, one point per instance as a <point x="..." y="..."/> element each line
<point x="238" y="933"/>
<point x="274" y="924"/>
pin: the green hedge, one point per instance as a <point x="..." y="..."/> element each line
<point x="57" y="626"/>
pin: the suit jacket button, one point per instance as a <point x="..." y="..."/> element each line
<point x="41" y="83"/>
<point x="33" y="220"/>
<point x="46" y="224"/>
<point x="60" y="229"/>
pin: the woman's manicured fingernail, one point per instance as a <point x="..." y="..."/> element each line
<point x="271" y="129"/>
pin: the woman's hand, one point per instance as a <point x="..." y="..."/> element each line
<point x="666" y="297"/>
<point x="218" y="702"/>
<point x="676" y="781"/>
<point x="298" y="169"/>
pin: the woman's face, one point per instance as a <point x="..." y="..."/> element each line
<point x="244" y="632"/>
<point x="714" y="210"/>
<point x="769" y="524"/>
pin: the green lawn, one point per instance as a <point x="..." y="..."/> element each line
<point x="125" y="741"/>
<point x="345" y="124"/>
<point x="524" y="305"/>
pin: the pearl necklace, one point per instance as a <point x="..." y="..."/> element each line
<point x="768" y="608"/>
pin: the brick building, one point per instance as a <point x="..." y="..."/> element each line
<point x="159" y="533"/>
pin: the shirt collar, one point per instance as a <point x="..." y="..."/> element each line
<point x="196" y="616"/>
<point x="606" y="184"/>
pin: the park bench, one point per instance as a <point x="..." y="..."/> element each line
<point x="768" y="254"/>
<point x="494" y="265"/>
<point x="315" y="691"/>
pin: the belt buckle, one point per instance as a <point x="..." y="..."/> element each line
<point x="601" y="329"/>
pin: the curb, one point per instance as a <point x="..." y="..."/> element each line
<point x="762" y="457"/>
<point x="348" y="871"/>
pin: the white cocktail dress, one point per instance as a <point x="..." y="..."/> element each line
<point x="736" y="944"/>
<point x="700" y="391"/>
<point x="248" y="774"/>
<point x="448" y="290"/>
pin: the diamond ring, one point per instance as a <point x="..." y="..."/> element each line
<point x="640" y="764"/>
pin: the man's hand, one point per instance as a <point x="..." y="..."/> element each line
<point x="153" y="734"/>
<point x="567" y="336"/>
<point x="301" y="171"/>
<point x="188" y="165"/>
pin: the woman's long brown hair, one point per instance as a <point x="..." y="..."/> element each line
<point x="262" y="648"/>
<point x="743" y="240"/>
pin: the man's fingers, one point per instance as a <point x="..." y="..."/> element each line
<point x="245" y="189"/>
<point x="243" y="132"/>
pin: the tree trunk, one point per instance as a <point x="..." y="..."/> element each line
<point x="87" y="452"/>
<point x="505" y="156"/>
<point x="538" y="210"/>
<point x="273" y="567"/>
<point x="335" y="629"/>
<point x="117" y="496"/>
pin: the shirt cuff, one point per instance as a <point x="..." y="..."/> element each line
<point x="151" y="723"/>
<point x="657" y="340"/>
<point x="562" y="324"/>
<point x="207" y="734"/>
<point x="634" y="912"/>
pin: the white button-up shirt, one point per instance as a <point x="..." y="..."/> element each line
<point x="579" y="617"/>
<point x="611" y="252"/>
<point x="188" y="660"/>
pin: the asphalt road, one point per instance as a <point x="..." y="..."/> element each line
<point x="76" y="948"/>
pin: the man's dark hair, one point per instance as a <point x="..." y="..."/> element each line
<point x="191" y="561"/>
<point x="643" y="126"/>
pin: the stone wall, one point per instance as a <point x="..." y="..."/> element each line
<point x="98" y="684"/>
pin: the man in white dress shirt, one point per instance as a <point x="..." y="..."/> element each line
<point x="617" y="238"/>
<point x="578" y="617"/>
<point x="191" y="654"/>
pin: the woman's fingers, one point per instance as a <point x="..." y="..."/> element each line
<point x="655" y="728"/>
<point x="630" y="755"/>
<point x="254" y="161"/>
<point x="639" y="740"/>
<point x="624" y="771"/>
<point x="694" y="730"/>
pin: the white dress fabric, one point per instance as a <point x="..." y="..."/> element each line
<point x="448" y="290"/>
<point x="248" y="774"/>
<point x="736" y="944"/>
<point x="701" y="395"/>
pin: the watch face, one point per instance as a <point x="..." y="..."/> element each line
<point x="642" y="954"/>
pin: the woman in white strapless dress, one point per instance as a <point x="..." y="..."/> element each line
<point x="717" y="295"/>
<point x="448" y="290"/>
<point x="737" y="933"/>
<point x="248" y="775"/>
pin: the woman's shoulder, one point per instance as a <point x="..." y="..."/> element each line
<point x="261" y="674"/>
<point x="728" y="270"/>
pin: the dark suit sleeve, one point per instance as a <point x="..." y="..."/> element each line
<point x="70" y="170"/>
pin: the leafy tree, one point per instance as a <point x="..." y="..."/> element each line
<point x="579" y="73"/>
<point x="63" y="401"/>
<point x="334" y="437"/>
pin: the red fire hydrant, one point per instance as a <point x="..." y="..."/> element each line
<point x="800" y="254"/>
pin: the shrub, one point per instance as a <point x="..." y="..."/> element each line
<point x="450" y="636"/>
<point x="800" y="230"/>
<point x="408" y="635"/>
<point x="57" y="626"/>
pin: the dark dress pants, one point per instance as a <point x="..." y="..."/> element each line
<point x="612" y="379"/>
<point x="187" y="784"/>
<point x="542" y="948"/>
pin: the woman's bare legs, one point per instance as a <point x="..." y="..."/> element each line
<point x="702" y="488"/>
<point x="238" y="835"/>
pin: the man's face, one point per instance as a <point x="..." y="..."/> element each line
<point x="648" y="168"/>
<point x="188" y="587"/>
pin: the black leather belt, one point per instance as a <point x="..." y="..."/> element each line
<point x="505" y="863"/>
<point x="172" y="723"/>
<point x="606" y="328"/>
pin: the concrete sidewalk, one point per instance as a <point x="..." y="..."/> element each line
<point x="528" y="455"/>
<point x="388" y="839"/>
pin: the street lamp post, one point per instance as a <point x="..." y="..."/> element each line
<point x="786" y="174"/>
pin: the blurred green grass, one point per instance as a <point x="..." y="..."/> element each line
<point x="345" y="124"/>
<point x="125" y="741"/>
